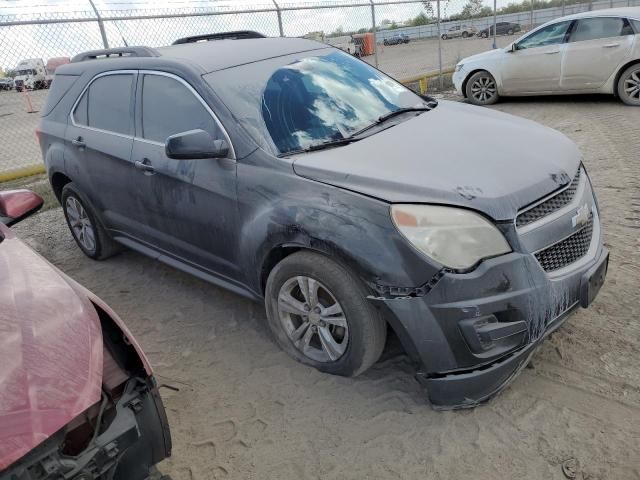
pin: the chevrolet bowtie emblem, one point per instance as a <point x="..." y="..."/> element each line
<point x="581" y="217"/>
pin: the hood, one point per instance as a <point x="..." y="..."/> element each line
<point x="483" y="56"/>
<point x="456" y="154"/>
<point x="50" y="347"/>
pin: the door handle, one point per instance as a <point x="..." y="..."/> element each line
<point x="145" y="166"/>
<point x="611" y="45"/>
<point x="78" y="142"/>
<point x="552" y="53"/>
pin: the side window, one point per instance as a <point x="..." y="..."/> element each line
<point x="636" y="25"/>
<point x="595" y="28"/>
<point x="106" y="104"/>
<point x="549" y="35"/>
<point x="169" y="107"/>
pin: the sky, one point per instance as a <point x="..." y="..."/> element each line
<point x="67" y="39"/>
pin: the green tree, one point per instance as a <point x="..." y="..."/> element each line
<point x="420" y="19"/>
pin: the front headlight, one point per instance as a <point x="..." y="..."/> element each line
<point x="454" y="237"/>
<point x="459" y="67"/>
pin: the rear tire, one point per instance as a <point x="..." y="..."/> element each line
<point x="319" y="314"/>
<point x="86" y="228"/>
<point x="481" y="89"/>
<point x="629" y="85"/>
<point x="510" y="32"/>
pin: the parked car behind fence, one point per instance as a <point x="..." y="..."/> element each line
<point x="502" y="28"/>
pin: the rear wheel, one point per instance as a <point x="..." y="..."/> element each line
<point x="629" y="85"/>
<point x="481" y="89"/>
<point x="319" y="314"/>
<point x="87" y="231"/>
<point x="510" y="31"/>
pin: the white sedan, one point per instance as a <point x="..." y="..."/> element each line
<point x="590" y="52"/>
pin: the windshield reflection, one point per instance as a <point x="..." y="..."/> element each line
<point x="324" y="98"/>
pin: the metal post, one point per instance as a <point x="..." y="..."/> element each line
<point x="279" y="13"/>
<point x="563" y="1"/>
<point x="610" y="3"/>
<point x="440" y="49"/>
<point x="375" y="40"/>
<point x="495" y="22"/>
<point x="103" y="33"/>
<point x="531" y="19"/>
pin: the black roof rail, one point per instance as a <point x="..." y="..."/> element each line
<point x="237" y="35"/>
<point x="115" y="52"/>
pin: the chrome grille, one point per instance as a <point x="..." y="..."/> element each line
<point x="551" y="205"/>
<point x="566" y="251"/>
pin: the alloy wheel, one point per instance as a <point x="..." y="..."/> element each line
<point x="483" y="89"/>
<point x="631" y="86"/>
<point x="313" y="319"/>
<point x="80" y="224"/>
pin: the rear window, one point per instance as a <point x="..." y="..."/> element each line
<point x="59" y="88"/>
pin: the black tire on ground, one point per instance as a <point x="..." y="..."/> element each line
<point x="510" y="31"/>
<point x="444" y="36"/>
<point x="105" y="246"/>
<point x="480" y="79"/>
<point x="367" y="329"/>
<point x="628" y="87"/>
<point x="465" y="34"/>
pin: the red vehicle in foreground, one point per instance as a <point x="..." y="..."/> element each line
<point x="78" y="399"/>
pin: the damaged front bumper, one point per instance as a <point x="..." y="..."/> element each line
<point x="473" y="333"/>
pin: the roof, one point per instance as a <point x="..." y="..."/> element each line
<point x="221" y="54"/>
<point x="202" y="57"/>
<point x="629" y="12"/>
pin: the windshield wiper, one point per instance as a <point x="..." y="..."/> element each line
<point x="390" y="115"/>
<point x="322" y="146"/>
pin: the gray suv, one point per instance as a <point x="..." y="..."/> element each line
<point x="297" y="175"/>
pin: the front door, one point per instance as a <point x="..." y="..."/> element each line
<point x="596" y="48"/>
<point x="99" y="139"/>
<point x="535" y="64"/>
<point x="188" y="207"/>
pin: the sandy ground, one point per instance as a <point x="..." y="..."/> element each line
<point x="245" y="410"/>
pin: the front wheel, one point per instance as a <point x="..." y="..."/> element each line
<point x="510" y="32"/>
<point x="444" y="36"/>
<point x="319" y="314"/>
<point x="481" y="89"/>
<point x="629" y="85"/>
<point x="465" y="34"/>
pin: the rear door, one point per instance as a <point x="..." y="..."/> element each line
<point x="99" y="139"/>
<point x="535" y="66"/>
<point x="187" y="207"/>
<point x="596" y="48"/>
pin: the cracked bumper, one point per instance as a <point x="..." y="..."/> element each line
<point x="502" y="294"/>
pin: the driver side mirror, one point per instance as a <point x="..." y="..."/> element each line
<point x="513" y="47"/>
<point x="195" y="145"/>
<point x="16" y="205"/>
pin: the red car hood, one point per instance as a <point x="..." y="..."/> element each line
<point x="50" y="350"/>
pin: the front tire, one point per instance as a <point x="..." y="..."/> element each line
<point x="629" y="85"/>
<point x="319" y="314"/>
<point x="481" y="89"/>
<point x="465" y="34"/>
<point x="87" y="230"/>
<point x="444" y="36"/>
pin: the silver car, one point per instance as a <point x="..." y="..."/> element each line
<point x="590" y="52"/>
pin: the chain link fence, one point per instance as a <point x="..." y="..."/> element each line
<point x="411" y="40"/>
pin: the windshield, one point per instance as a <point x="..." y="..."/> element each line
<point x="22" y="73"/>
<point x="295" y="102"/>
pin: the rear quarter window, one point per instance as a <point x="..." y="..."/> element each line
<point x="59" y="88"/>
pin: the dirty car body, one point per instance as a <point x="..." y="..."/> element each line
<point x="78" y="399"/>
<point x="294" y="177"/>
